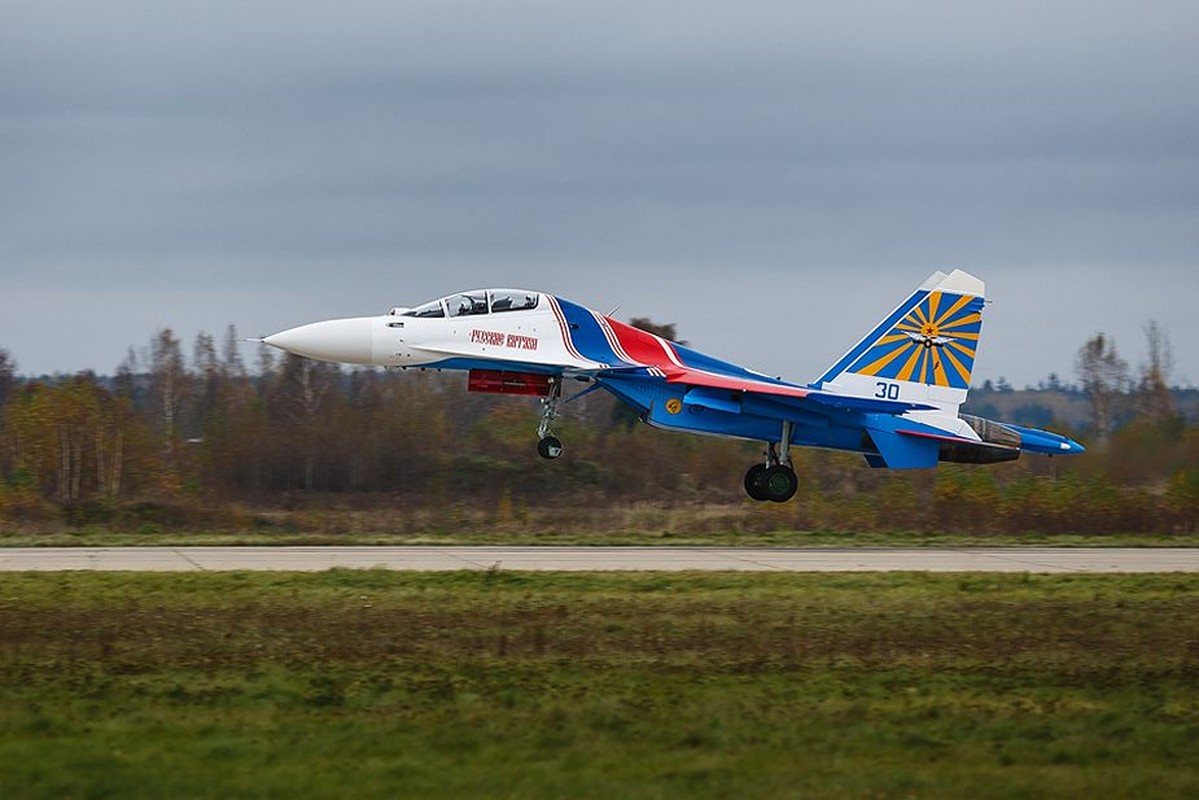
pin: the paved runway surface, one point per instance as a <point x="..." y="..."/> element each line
<point x="309" y="559"/>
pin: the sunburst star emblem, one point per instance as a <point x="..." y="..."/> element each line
<point x="934" y="343"/>
<point x="929" y="335"/>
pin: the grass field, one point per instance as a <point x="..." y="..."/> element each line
<point x="371" y="684"/>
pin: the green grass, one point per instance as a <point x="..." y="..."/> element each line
<point x="510" y="535"/>
<point x="380" y="684"/>
<point x="388" y="520"/>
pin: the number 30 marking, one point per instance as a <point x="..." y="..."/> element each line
<point x="887" y="391"/>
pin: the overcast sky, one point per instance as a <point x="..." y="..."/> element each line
<point x="772" y="177"/>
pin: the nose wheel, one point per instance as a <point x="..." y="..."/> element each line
<point x="549" y="447"/>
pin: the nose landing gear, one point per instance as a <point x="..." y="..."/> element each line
<point x="548" y="445"/>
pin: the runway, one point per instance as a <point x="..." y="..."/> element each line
<point x="572" y="559"/>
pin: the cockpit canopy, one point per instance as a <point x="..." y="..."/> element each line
<point x="479" y="301"/>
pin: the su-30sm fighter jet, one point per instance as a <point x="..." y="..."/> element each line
<point x="893" y="397"/>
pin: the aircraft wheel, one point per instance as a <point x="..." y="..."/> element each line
<point x="549" y="447"/>
<point x="779" y="483"/>
<point x="754" y="486"/>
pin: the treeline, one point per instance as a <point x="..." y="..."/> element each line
<point x="193" y="443"/>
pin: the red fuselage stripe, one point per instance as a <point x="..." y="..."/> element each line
<point x="641" y="347"/>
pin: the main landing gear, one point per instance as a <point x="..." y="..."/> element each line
<point x="775" y="480"/>
<point x="548" y="445"/>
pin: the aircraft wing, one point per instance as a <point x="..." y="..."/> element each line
<point x="783" y="395"/>
<point x="711" y="389"/>
<point x="712" y="380"/>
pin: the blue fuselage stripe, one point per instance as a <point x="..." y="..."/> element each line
<point x="586" y="334"/>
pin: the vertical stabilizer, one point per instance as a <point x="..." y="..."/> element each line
<point x="923" y="352"/>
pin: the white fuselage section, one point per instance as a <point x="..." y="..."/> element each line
<point x="534" y="336"/>
<point x="531" y="336"/>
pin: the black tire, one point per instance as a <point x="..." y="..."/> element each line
<point x="754" y="486"/>
<point x="549" y="447"/>
<point x="779" y="483"/>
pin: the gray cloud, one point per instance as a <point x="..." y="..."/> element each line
<point x="772" y="176"/>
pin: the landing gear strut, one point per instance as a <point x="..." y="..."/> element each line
<point x="548" y="445"/>
<point x="774" y="480"/>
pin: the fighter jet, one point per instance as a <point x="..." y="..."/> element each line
<point x="893" y="397"/>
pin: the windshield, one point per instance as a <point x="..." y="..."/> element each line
<point x="431" y="309"/>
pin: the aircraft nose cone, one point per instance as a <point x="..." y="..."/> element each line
<point x="344" y="341"/>
<point x="1074" y="447"/>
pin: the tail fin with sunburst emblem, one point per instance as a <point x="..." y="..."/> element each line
<point x="923" y="352"/>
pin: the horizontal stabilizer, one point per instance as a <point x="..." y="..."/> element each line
<point x="902" y="451"/>
<point x="967" y="451"/>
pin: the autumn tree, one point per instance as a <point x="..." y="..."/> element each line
<point x="304" y="394"/>
<point x="1154" y="402"/>
<point x="231" y="353"/>
<point x="665" y="330"/>
<point x="267" y="362"/>
<point x="126" y="377"/>
<point x="170" y="388"/>
<point x="8" y="375"/>
<point x="1104" y="378"/>
<point x="70" y="438"/>
<point x="209" y="380"/>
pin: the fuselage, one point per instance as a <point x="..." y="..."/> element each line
<point x="529" y="330"/>
<point x="495" y="333"/>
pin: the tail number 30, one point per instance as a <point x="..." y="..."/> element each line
<point x="886" y="391"/>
